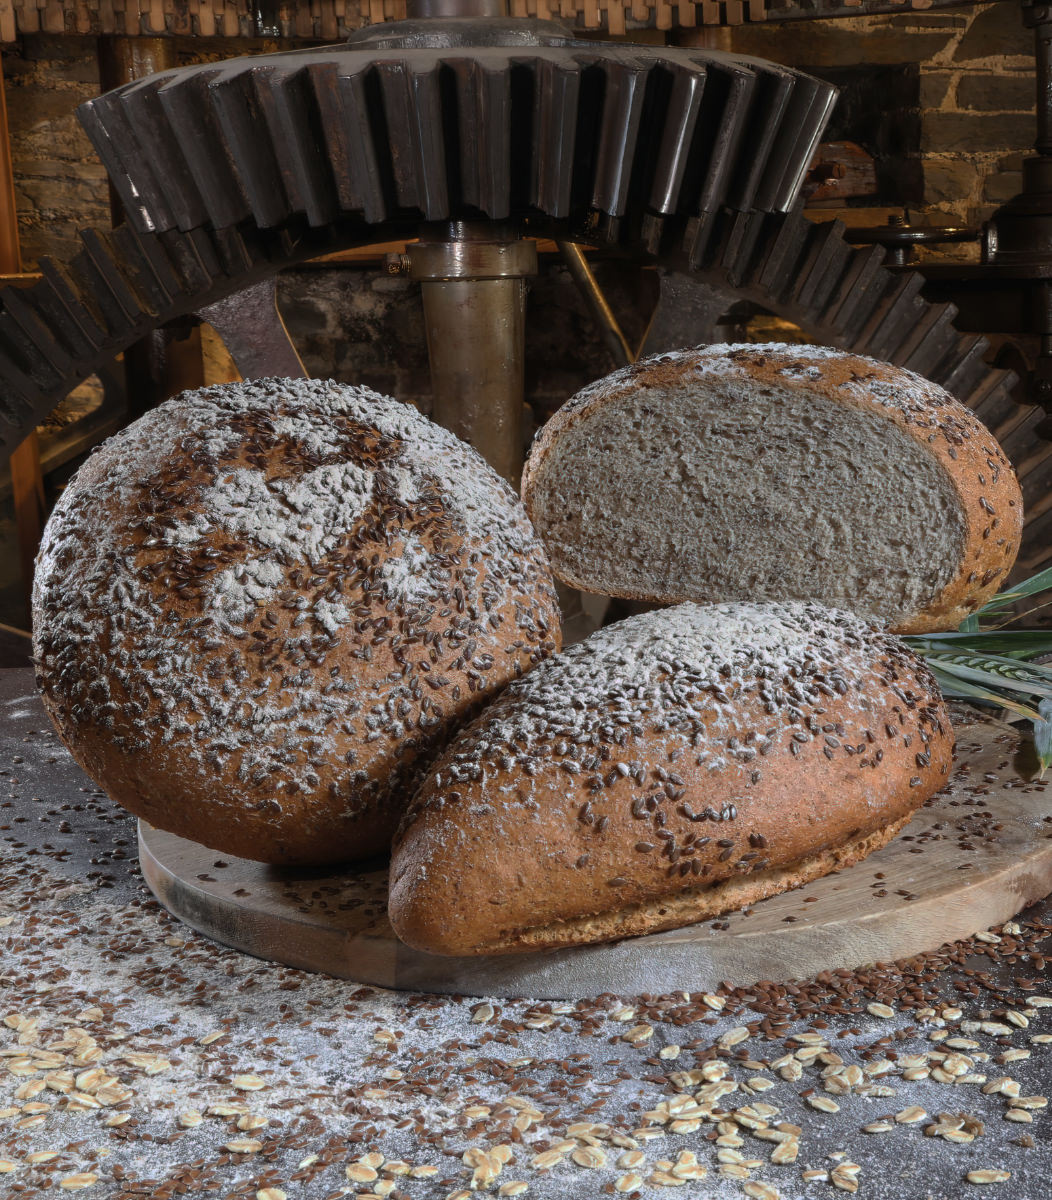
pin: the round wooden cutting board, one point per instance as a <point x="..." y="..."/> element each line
<point x="972" y="857"/>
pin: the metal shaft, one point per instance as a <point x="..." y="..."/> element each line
<point x="472" y="279"/>
<point x="603" y="315"/>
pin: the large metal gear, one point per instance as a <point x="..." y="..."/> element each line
<point x="460" y="119"/>
<point x="687" y="160"/>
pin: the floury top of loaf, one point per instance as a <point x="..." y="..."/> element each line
<point x="777" y="472"/>
<point x="669" y="767"/>
<point x="259" y="608"/>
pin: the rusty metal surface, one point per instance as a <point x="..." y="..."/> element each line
<point x="254" y="333"/>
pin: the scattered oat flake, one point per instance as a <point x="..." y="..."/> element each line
<point x="988" y="1175"/>
<point x="734" y="1037"/>
<point x="513" y="1188"/>
<point x="271" y="1193"/>
<point x="761" y="1191"/>
<point x="248" y="1083"/>
<point x="243" y="1146"/>
<point x="74" y="1183"/>
<point x="880" y="1010"/>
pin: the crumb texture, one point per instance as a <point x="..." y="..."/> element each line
<point x="662" y="755"/>
<point x="767" y="472"/>
<point x="263" y="606"/>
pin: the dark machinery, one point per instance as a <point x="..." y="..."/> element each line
<point x="468" y="133"/>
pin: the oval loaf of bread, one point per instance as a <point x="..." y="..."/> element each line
<point x="262" y="608"/>
<point x="670" y="767"/>
<point x="774" y="472"/>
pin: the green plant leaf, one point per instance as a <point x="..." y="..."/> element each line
<point x="1043" y="735"/>
<point x="961" y="689"/>
<point x="1040" y="582"/>
<point x="999" y="641"/>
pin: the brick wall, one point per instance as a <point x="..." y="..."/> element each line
<point x="974" y="102"/>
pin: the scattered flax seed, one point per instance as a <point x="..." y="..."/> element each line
<point x="988" y="1175"/>
<point x="880" y="1010"/>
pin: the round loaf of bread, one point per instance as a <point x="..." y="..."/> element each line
<point x="262" y="608"/>
<point x="777" y="472"/>
<point x="670" y="767"/>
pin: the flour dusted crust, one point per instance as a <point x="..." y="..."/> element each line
<point x="262" y="608"/>
<point x="668" y="767"/>
<point x="974" y="529"/>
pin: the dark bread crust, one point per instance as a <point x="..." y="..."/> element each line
<point x="262" y="609"/>
<point x="534" y="820"/>
<point x="687" y="908"/>
<point x="985" y="483"/>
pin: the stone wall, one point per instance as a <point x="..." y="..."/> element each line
<point x="973" y="116"/>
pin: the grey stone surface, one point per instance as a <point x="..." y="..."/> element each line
<point x="969" y="133"/>
<point x="997" y="93"/>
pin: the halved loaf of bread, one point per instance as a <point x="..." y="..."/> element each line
<point x="771" y="472"/>
<point x="673" y="766"/>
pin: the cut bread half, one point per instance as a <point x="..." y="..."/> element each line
<point x="776" y="472"/>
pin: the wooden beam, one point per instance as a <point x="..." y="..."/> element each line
<point x="26" y="478"/>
